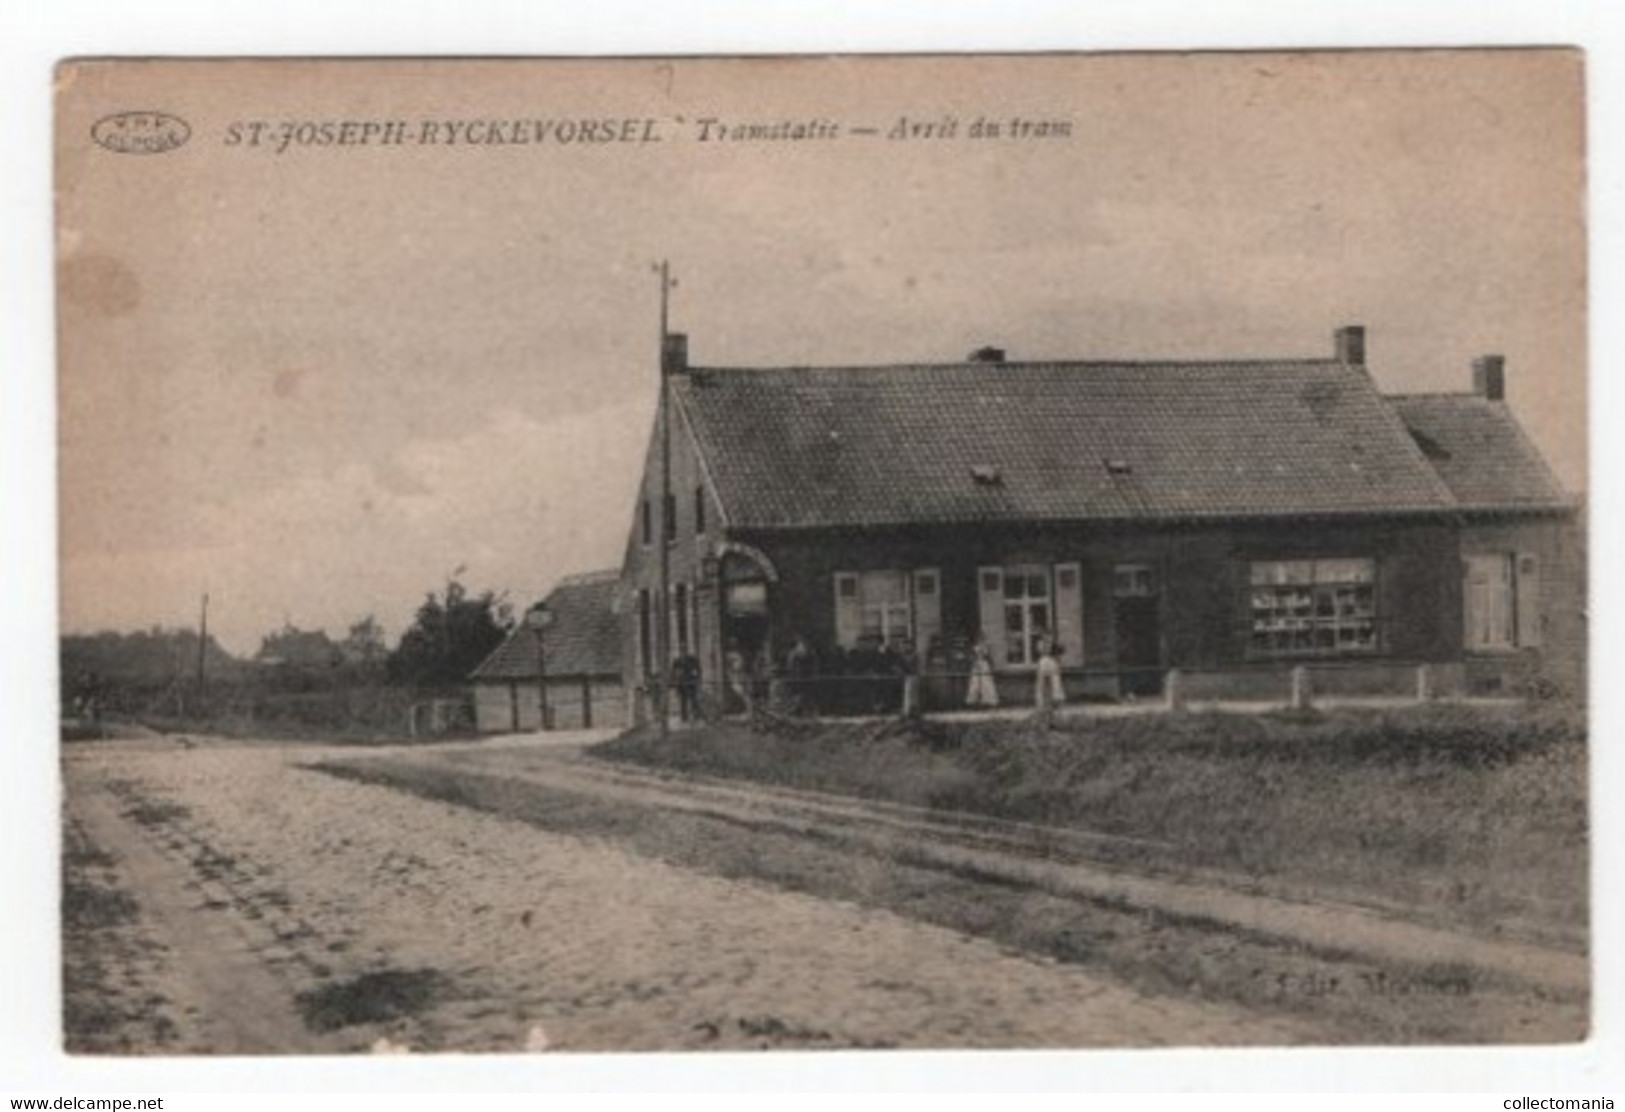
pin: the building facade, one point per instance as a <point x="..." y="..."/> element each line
<point x="1228" y="519"/>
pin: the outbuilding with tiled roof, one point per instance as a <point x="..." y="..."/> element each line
<point x="578" y="652"/>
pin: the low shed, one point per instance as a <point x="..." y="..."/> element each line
<point x="583" y="666"/>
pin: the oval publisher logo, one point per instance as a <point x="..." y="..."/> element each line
<point x="140" y="132"/>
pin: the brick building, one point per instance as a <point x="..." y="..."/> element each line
<point x="1230" y="519"/>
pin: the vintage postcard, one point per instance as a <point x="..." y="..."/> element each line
<point x="940" y="552"/>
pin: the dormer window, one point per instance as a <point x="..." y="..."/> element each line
<point x="1118" y="466"/>
<point x="985" y="474"/>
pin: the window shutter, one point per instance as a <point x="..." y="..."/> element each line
<point x="990" y="590"/>
<point x="1474" y="600"/>
<point x="1527" y="586"/>
<point x="694" y="621"/>
<point x="679" y="620"/>
<point x="1069" y="612"/>
<point x="645" y="633"/>
<point x="927" y="610"/>
<point x="848" y="609"/>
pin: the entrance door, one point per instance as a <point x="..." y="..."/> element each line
<point x="745" y="636"/>
<point x="1137" y="610"/>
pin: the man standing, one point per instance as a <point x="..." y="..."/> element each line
<point x="685" y="674"/>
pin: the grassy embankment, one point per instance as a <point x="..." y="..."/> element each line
<point x="1475" y="815"/>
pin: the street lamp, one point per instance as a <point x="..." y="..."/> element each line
<point x="717" y="660"/>
<point x="538" y="618"/>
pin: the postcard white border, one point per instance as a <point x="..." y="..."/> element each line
<point x="36" y="36"/>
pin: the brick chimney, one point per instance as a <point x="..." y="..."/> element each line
<point x="1490" y="377"/>
<point x="674" y="354"/>
<point x="1348" y="345"/>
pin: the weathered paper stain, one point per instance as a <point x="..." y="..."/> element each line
<point x="100" y="284"/>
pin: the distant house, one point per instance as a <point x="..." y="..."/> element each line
<point x="299" y="649"/>
<point x="1230" y="519"/>
<point x="583" y="662"/>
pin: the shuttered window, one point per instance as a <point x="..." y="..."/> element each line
<point x="1024" y="608"/>
<point x="872" y="608"/>
<point x="1029" y="613"/>
<point x="891" y="607"/>
<point x="1501" y="601"/>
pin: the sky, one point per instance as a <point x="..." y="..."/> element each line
<point x="315" y="383"/>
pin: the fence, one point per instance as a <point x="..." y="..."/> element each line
<point x="256" y="708"/>
<point x="1285" y="685"/>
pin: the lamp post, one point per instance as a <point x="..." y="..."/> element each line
<point x="715" y="662"/>
<point x="538" y="618"/>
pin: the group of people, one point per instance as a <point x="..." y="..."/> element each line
<point x="749" y="679"/>
<point x="1048" y="691"/>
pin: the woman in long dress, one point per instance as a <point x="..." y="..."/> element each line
<point x="983" y="692"/>
<point x="1050" y="692"/>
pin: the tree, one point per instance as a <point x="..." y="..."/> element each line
<point x="450" y="635"/>
<point x="129" y="670"/>
<point x="364" y="644"/>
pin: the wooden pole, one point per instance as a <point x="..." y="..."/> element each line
<point x="663" y="630"/>
<point x="202" y="642"/>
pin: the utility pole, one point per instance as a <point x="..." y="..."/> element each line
<point x="663" y="630"/>
<point x="202" y="642"/>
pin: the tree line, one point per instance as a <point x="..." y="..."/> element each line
<point x="452" y="631"/>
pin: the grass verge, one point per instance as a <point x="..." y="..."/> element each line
<point x="109" y="1003"/>
<point x="1473" y="815"/>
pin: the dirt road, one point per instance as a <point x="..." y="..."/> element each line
<point x="297" y="912"/>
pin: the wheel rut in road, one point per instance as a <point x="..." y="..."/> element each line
<point x="229" y="949"/>
<point x="1063" y="862"/>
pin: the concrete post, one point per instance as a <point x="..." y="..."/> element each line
<point x="1303" y="696"/>
<point x="911" y="696"/>
<point x="1425" y="691"/>
<point x="1173" y="690"/>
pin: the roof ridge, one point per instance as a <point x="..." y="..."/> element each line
<point x="1009" y="364"/>
<point x="1435" y="394"/>
<point x="585" y="578"/>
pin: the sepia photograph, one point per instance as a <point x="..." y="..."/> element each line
<point x="1060" y="551"/>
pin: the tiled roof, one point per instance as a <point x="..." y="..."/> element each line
<point x="1478" y="449"/>
<point x="1053" y="442"/>
<point x="300" y="648"/>
<point x="584" y="638"/>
